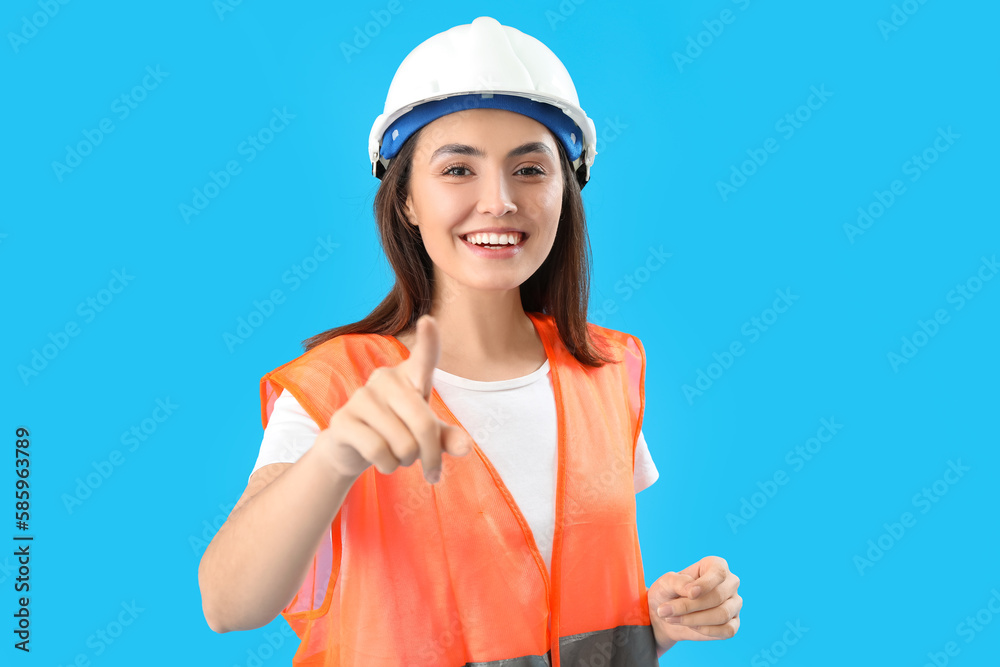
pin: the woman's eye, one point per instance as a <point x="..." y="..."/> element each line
<point x="456" y="168"/>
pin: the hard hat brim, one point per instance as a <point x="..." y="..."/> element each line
<point x="555" y="117"/>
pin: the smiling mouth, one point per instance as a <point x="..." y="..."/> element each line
<point x="493" y="240"/>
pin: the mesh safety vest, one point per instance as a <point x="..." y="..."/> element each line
<point x="450" y="574"/>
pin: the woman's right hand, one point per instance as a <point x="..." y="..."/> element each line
<point x="388" y="422"/>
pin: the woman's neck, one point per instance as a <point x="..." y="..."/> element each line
<point x="486" y="337"/>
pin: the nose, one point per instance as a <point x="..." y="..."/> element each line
<point x="495" y="196"/>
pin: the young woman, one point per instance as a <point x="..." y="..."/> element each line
<point x="513" y="540"/>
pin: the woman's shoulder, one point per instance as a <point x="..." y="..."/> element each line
<point x="339" y="352"/>
<point x="614" y="336"/>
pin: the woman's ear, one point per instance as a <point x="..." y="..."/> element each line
<point x="410" y="217"/>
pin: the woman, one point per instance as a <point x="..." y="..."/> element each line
<point x="518" y="544"/>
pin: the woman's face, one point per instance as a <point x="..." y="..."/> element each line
<point x="485" y="169"/>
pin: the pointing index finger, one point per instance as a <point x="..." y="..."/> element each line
<point x="424" y="355"/>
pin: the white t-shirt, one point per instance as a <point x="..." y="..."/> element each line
<point x="517" y="432"/>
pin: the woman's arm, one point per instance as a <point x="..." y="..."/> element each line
<point x="258" y="560"/>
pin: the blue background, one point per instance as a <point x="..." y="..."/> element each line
<point x="672" y="130"/>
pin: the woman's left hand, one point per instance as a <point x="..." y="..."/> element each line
<point x="698" y="603"/>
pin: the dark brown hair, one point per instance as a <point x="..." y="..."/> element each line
<point x="560" y="286"/>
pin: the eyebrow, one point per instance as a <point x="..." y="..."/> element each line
<point x="465" y="149"/>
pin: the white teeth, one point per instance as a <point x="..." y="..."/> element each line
<point x="507" y="238"/>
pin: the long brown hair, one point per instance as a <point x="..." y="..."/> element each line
<point x="560" y="287"/>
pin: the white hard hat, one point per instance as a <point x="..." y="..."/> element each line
<point x="483" y="65"/>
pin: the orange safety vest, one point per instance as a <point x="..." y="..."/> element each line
<point x="450" y="574"/>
